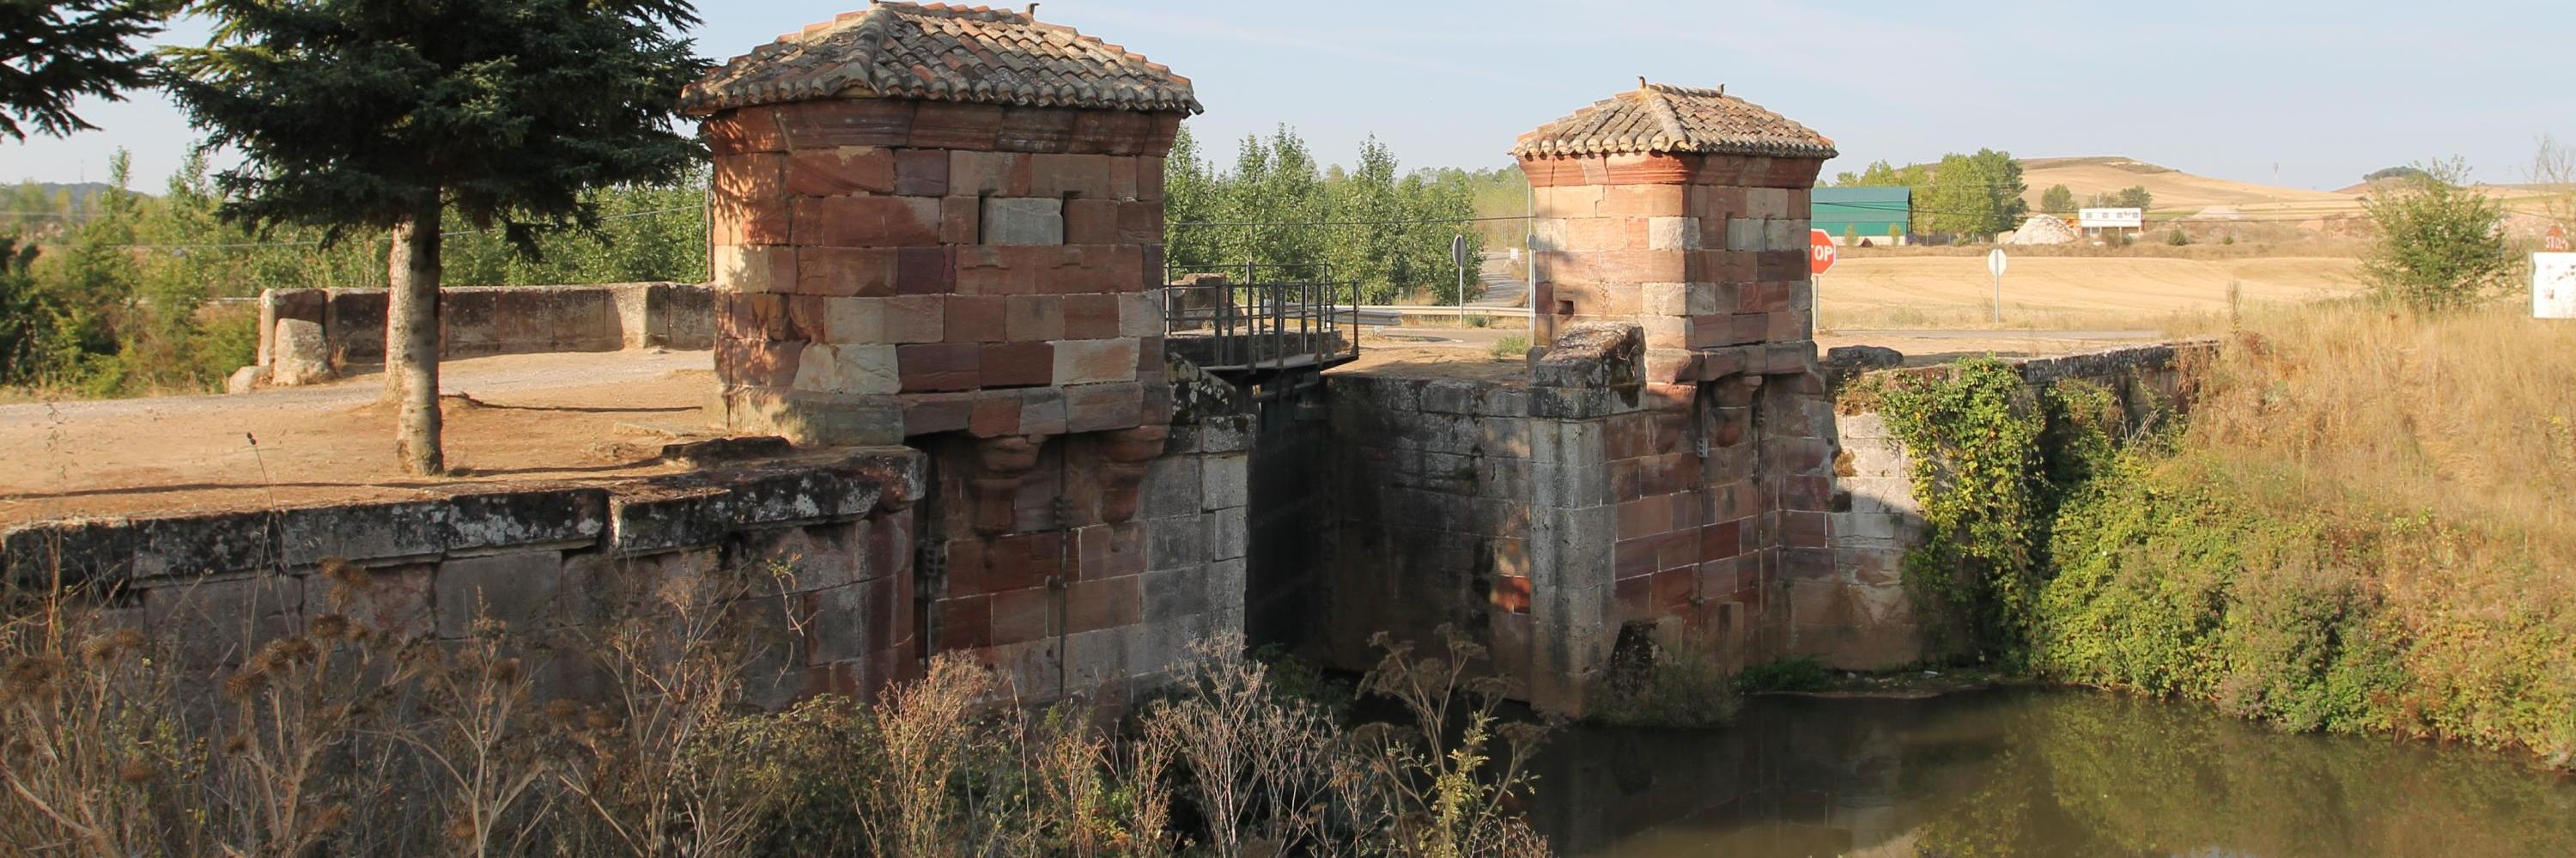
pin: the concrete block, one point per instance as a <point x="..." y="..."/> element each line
<point x="517" y="589"/>
<point x="1095" y="361"/>
<point x="302" y="355"/>
<point x="364" y="532"/>
<point x="849" y="369"/>
<point x="1139" y="316"/>
<point x="487" y="521"/>
<point x="1175" y="593"/>
<point x="1672" y="233"/>
<point x="1175" y="543"/>
<point x="1227" y="480"/>
<point x="178" y="546"/>
<point x="1747" y="235"/>
<point x="1228" y="535"/>
<point x="1172" y="487"/>
<point x="1023" y="221"/>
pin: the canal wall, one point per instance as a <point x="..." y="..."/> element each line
<point x="1861" y="617"/>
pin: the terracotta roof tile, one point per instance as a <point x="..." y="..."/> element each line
<point x="1675" y="119"/>
<point x="944" y="53"/>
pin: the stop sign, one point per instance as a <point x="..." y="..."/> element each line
<point x="1820" y="251"/>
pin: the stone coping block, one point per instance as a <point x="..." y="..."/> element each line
<point x="2102" y="364"/>
<point x="632" y="517"/>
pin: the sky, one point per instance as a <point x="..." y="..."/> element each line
<point x="2322" y="92"/>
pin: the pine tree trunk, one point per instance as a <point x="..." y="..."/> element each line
<point x="411" y="340"/>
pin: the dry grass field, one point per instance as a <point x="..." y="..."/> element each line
<point x="2173" y="188"/>
<point x="2181" y="195"/>
<point x="2066" y="293"/>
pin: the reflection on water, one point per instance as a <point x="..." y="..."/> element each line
<point x="2034" y="773"/>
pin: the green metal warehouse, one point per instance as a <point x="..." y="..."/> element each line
<point x="1868" y="214"/>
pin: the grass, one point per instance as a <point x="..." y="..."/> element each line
<point x="2365" y="526"/>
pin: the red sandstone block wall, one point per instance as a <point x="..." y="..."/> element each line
<point x="894" y="268"/>
<point x="1703" y="251"/>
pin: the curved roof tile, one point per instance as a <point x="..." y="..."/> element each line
<point x="1661" y="118"/>
<point x="942" y="52"/>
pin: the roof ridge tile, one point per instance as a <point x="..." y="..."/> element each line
<point x="943" y="51"/>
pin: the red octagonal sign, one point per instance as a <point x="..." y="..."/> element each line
<point x="1820" y="251"/>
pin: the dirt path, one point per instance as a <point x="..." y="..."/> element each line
<point x="553" y="417"/>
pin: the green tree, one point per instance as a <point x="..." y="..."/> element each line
<point x="53" y="52"/>
<point x="26" y="316"/>
<point x="368" y="115"/>
<point x="1369" y="250"/>
<point x="1880" y="174"/>
<point x="2057" y="200"/>
<point x="1191" y="198"/>
<point x="2440" y="246"/>
<point x="2132" y="197"/>
<point x="1975" y="196"/>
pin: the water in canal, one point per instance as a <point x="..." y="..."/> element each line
<point x="2034" y="772"/>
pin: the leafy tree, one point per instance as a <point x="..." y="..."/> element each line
<point x="2400" y="172"/>
<point x="52" y="52"/>
<point x="383" y="115"/>
<point x="1190" y="197"/>
<point x="2441" y="246"/>
<point x="25" y="315"/>
<point x="1975" y="196"/>
<point x="2133" y="197"/>
<point x="1371" y="249"/>
<point x="2058" y="199"/>
<point x="1879" y="174"/>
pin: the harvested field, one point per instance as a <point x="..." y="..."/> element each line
<point x="2065" y="292"/>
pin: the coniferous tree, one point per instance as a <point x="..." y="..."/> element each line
<point x="52" y="52"/>
<point x="360" y="116"/>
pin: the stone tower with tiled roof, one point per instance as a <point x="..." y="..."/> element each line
<point x="1671" y="239"/>
<point x="938" y="226"/>
<point x="1684" y="209"/>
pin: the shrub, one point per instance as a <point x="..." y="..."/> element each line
<point x="1681" y="687"/>
<point x="1514" y="347"/>
<point x="2440" y="245"/>
<point x="2177" y="238"/>
<point x="1802" y="673"/>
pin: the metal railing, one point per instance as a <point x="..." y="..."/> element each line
<point x="1292" y="321"/>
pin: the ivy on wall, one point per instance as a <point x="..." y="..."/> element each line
<point x="1993" y="459"/>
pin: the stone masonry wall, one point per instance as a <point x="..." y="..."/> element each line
<point x="1069" y="596"/>
<point x="1861" y="617"/>
<point x="476" y="321"/>
<point x="890" y="268"/>
<point x="830" y="539"/>
<point x="1707" y="252"/>
<point x="1431" y="481"/>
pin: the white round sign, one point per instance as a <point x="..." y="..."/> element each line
<point x="1995" y="262"/>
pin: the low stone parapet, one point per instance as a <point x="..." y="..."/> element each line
<point x="832" y="535"/>
<point x="306" y="335"/>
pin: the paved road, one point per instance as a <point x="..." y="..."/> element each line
<point x="1502" y="282"/>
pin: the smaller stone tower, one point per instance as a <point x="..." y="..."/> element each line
<point x="1684" y="210"/>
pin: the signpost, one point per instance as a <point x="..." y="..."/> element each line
<point x="2553" y="285"/>
<point x="1995" y="264"/>
<point x="1458" y="254"/>
<point x="1821" y="254"/>
<point x="2556" y="240"/>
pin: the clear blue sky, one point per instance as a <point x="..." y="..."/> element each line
<point x="2326" y="90"/>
